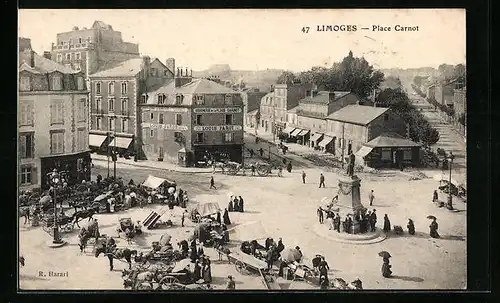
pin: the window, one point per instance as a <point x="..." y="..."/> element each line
<point x="161" y="99"/>
<point x="407" y="154"/>
<point x="26" y="114"/>
<point x="124" y="125"/>
<point x="82" y="110"/>
<point x="80" y="83"/>
<point x="111" y="88"/>
<point x="143" y="99"/>
<point x="111" y="125"/>
<point x="80" y="40"/>
<point x="200" y="100"/>
<point x="228" y="120"/>
<point x="199" y="137"/>
<point x="386" y="154"/>
<point x="178" y="99"/>
<point x="152" y="116"/>
<point x="198" y="120"/>
<point x="56" y="83"/>
<point x="154" y="72"/>
<point x="228" y="100"/>
<point x="98" y="88"/>
<point x="178" y="119"/>
<point x="152" y="133"/>
<point x="124" y="106"/>
<point x="26" y="175"/>
<point x="145" y="131"/>
<point x="124" y="88"/>
<point x="98" y="105"/>
<point x="99" y="123"/>
<point x="82" y="139"/>
<point x="165" y="72"/>
<point x="24" y="84"/>
<point x="78" y="56"/>
<point x="26" y="145"/>
<point x="386" y="117"/>
<point x="111" y="104"/>
<point x="160" y="118"/>
<point x="57" y="112"/>
<point x="57" y="142"/>
<point x="228" y="137"/>
<point x="59" y="58"/>
<point x="68" y="56"/>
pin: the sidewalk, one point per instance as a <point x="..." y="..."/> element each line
<point x="152" y="164"/>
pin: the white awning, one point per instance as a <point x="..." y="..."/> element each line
<point x="316" y="136"/>
<point x="326" y="140"/>
<point x="303" y="132"/>
<point x="363" y="151"/>
<point x="96" y="140"/>
<point x="288" y="129"/>
<point x="153" y="182"/>
<point x="295" y="132"/>
<point x="121" y="142"/>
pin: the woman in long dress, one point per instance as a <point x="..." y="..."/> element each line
<point x="387" y="224"/>
<point x="207" y="272"/>
<point x="226" y="217"/>
<point x="230" y="206"/>
<point x="433" y="229"/>
<point x="241" y="204"/>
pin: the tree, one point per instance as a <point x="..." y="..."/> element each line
<point x="447" y="71"/>
<point x="287" y="77"/>
<point x="459" y="71"/>
<point x="431" y="136"/>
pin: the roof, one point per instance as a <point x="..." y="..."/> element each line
<point x="127" y="68"/>
<point x="293" y="110"/>
<point x="391" y="140"/>
<point x="253" y="112"/>
<point x="358" y="114"/>
<point x="42" y="65"/>
<point x="101" y="24"/>
<point x="166" y="89"/>
<point x="204" y="86"/>
<point x="324" y="97"/>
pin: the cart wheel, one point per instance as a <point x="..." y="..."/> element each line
<point x="240" y="267"/>
<point x="144" y="286"/>
<point x="168" y="280"/>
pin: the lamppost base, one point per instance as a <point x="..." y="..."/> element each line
<point x="56" y="244"/>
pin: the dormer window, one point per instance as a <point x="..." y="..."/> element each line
<point x="228" y="100"/>
<point x="24" y="84"/>
<point x="56" y="83"/>
<point x="161" y="99"/>
<point x="80" y="83"/>
<point x="68" y="57"/>
<point x="98" y="88"/>
<point x="144" y="99"/>
<point x="200" y="100"/>
<point x="178" y="99"/>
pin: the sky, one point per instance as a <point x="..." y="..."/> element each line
<point x="272" y="38"/>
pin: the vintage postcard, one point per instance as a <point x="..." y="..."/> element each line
<point x="247" y="149"/>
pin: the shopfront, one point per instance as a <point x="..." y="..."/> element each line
<point x="221" y="153"/>
<point x="76" y="165"/>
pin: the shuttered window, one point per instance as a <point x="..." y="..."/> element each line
<point x="57" y="112"/>
<point x="57" y="142"/>
<point x="26" y="145"/>
<point x="26" y="113"/>
<point x="82" y="112"/>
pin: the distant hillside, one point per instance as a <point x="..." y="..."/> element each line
<point x="262" y="79"/>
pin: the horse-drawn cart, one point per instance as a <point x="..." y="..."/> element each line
<point x="65" y="223"/>
<point x="232" y="168"/>
<point x="248" y="264"/>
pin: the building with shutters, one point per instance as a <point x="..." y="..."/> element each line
<point x="52" y="121"/>
<point x="115" y="94"/>
<point x="192" y="122"/>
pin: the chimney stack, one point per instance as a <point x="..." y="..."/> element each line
<point x="178" y="72"/>
<point x="182" y="72"/>
<point x="170" y="63"/>
<point x="47" y="55"/>
<point x="187" y="74"/>
<point x="146" y="64"/>
<point x="32" y="58"/>
<point x="191" y="75"/>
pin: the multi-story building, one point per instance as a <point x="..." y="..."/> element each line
<point x="251" y="97"/>
<point x="92" y="49"/>
<point x="193" y="122"/>
<point x="431" y="91"/>
<point x="444" y="91"/>
<point x="115" y="95"/>
<point x="460" y="106"/>
<point x="53" y="121"/>
<point x="275" y="105"/>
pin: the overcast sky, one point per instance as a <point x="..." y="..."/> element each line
<point x="260" y="39"/>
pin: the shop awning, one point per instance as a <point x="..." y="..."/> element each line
<point x="295" y="132"/>
<point x="288" y="129"/>
<point x="363" y="151"/>
<point x="326" y="140"/>
<point x="96" y="140"/>
<point x="153" y="182"/>
<point x="120" y="142"/>
<point x="315" y="137"/>
<point x="303" y="132"/>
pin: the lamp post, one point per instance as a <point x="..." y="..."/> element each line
<point x="113" y="156"/>
<point x="107" y="154"/>
<point x="450" y="196"/>
<point x="55" y="179"/>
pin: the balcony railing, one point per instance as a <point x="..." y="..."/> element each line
<point x="310" y="114"/>
<point x="72" y="46"/>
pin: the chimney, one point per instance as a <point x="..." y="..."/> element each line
<point x="182" y="72"/>
<point x="178" y="73"/>
<point x="170" y="63"/>
<point x="32" y="58"/>
<point x="187" y="72"/>
<point x="47" y="55"/>
<point x="146" y="64"/>
<point x="191" y="74"/>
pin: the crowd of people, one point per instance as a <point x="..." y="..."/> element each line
<point x="235" y="204"/>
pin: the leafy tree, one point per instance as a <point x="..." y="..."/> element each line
<point x="459" y="71"/>
<point x="431" y="136"/>
<point x="447" y="71"/>
<point x="286" y="77"/>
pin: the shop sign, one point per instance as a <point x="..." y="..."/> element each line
<point x="216" y="128"/>
<point x="165" y="126"/>
<point x="218" y="110"/>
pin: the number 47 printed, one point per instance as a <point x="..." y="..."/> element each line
<point x="305" y="29"/>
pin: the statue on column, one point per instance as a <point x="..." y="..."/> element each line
<point x="350" y="165"/>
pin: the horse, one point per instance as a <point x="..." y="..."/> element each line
<point x="82" y="214"/>
<point x="140" y="280"/>
<point x="220" y="165"/>
<point x="116" y="253"/>
<point x="85" y="235"/>
<point x="24" y="212"/>
<point x="77" y="204"/>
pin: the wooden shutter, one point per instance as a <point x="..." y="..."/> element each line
<point x="34" y="175"/>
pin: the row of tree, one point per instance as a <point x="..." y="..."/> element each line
<point x="447" y="72"/>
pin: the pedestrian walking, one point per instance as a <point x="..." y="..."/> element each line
<point x="280" y="171"/>
<point x="371" y="197"/>
<point x="241" y="204"/>
<point x="320" y="215"/>
<point x="182" y="219"/>
<point x="434" y="229"/>
<point x="435" y="196"/>
<point x="253" y="169"/>
<point x="303" y="177"/>
<point x="321" y="180"/>
<point x="218" y="218"/>
<point x="387" y="224"/>
<point x="373" y="220"/>
<point x="212" y="183"/>
<point x="261" y="151"/>
<point x="289" y="167"/>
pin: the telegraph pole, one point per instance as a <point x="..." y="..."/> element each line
<point x="107" y="139"/>
<point x="343" y="143"/>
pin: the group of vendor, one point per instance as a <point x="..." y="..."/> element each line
<point x="202" y="263"/>
<point x="235" y="204"/>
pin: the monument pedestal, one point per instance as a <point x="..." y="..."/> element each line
<point x="349" y="201"/>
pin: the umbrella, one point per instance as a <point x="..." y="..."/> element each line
<point x="171" y="190"/>
<point x="293" y="255"/>
<point x="384" y="254"/>
<point x="165" y="239"/>
<point x="182" y="265"/>
<point x="431" y="217"/>
<point x="100" y="197"/>
<point x="45" y="199"/>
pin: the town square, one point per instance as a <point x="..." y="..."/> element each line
<point x="140" y="172"/>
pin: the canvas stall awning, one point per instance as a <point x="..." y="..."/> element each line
<point x="295" y="132"/>
<point x="96" y="140"/>
<point x="363" y="151"/>
<point x="288" y="130"/>
<point x="153" y="182"/>
<point x="207" y="209"/>
<point x="120" y="142"/>
<point x="326" y="140"/>
<point x="303" y="132"/>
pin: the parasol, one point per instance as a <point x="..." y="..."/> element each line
<point x="182" y="265"/>
<point x="293" y="255"/>
<point x="431" y="217"/>
<point x="165" y="239"/>
<point x="384" y="254"/>
<point x="171" y="190"/>
<point x="45" y="199"/>
<point x="253" y="230"/>
<point x="100" y="198"/>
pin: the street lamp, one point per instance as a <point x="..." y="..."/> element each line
<point x="113" y="155"/>
<point x="450" y="197"/>
<point x="56" y="179"/>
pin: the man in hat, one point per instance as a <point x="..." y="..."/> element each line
<point x="182" y="219"/>
<point x="212" y="183"/>
<point x="373" y="220"/>
<point x="303" y="177"/>
<point x="320" y="215"/>
<point x="371" y="197"/>
<point x="321" y="180"/>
